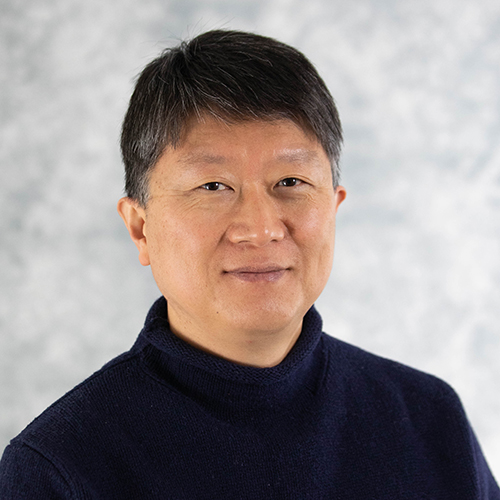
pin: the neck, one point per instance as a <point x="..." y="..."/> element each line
<point x="257" y="348"/>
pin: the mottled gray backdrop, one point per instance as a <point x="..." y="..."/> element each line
<point x="417" y="268"/>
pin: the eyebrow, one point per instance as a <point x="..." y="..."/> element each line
<point x="287" y="156"/>
<point x="206" y="158"/>
<point x="298" y="156"/>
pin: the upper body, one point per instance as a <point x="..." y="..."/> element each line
<point x="169" y="421"/>
<point x="231" y="146"/>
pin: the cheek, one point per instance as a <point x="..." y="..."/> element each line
<point x="315" y="227"/>
<point x="316" y="238"/>
<point x="181" y="244"/>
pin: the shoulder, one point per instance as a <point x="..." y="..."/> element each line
<point x="40" y="461"/>
<point x="370" y="377"/>
<point x="27" y="473"/>
<point x="405" y="416"/>
<point x="69" y="421"/>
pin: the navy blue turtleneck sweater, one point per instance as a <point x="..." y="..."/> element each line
<point x="167" y="421"/>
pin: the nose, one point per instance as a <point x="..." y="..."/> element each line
<point x="256" y="219"/>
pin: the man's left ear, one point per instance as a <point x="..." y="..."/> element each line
<point x="134" y="217"/>
<point x="340" y="194"/>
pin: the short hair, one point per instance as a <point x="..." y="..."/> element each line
<point x="234" y="76"/>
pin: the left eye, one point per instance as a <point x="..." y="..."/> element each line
<point x="213" y="186"/>
<point x="289" y="182"/>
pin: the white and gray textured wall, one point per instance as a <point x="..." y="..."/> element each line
<point x="417" y="267"/>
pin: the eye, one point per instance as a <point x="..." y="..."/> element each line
<point x="289" y="182"/>
<point x="214" y="186"/>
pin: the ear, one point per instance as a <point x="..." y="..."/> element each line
<point x="340" y="194"/>
<point x="134" y="217"/>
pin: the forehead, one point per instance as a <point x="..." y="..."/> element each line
<point x="212" y="140"/>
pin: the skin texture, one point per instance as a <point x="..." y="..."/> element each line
<point x="239" y="232"/>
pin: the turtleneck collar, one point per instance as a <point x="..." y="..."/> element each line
<point x="208" y="377"/>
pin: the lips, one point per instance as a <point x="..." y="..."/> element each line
<point x="267" y="273"/>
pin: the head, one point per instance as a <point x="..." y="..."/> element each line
<point x="233" y="76"/>
<point x="231" y="146"/>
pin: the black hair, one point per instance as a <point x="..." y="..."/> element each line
<point x="234" y="76"/>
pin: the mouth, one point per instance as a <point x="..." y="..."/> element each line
<point x="269" y="273"/>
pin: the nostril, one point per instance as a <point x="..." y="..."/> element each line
<point x="256" y="232"/>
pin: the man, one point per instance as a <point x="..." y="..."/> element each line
<point x="231" y="146"/>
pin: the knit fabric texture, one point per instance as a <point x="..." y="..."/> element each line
<point x="168" y="421"/>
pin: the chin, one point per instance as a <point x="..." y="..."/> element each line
<point x="270" y="316"/>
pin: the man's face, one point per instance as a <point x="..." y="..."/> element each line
<point x="240" y="225"/>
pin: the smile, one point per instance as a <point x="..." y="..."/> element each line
<point x="258" y="274"/>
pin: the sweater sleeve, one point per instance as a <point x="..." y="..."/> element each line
<point x="489" y="489"/>
<point x="462" y="446"/>
<point x="26" y="474"/>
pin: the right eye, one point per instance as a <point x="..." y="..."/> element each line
<point x="214" y="186"/>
